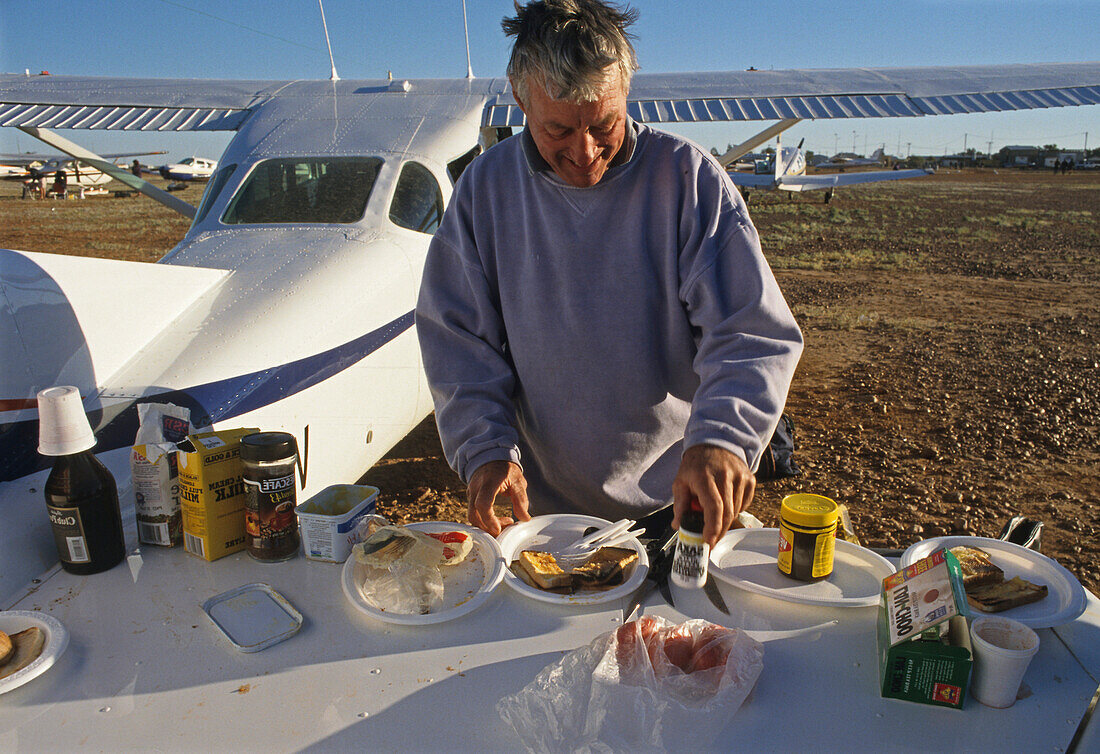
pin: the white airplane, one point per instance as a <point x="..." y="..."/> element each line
<point x="842" y="161"/>
<point x="289" y="303"/>
<point x="45" y="167"/>
<point x="189" y="169"/>
<point x="786" y="171"/>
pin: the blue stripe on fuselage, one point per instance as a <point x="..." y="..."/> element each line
<point x="209" y="403"/>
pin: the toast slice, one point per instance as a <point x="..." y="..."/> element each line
<point x="977" y="568"/>
<point x="27" y="646"/>
<point x="543" y="570"/>
<point x="993" y="598"/>
<point x="607" y="568"/>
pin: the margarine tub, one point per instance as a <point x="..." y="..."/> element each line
<point x="807" y="536"/>
<point x="327" y="520"/>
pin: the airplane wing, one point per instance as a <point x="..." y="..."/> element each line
<point x="847" y="93"/>
<point x="832" y="180"/>
<point x="121" y="104"/>
<point x="90" y="102"/>
<point x="753" y="180"/>
<point x="821" y="181"/>
<point x="103" y="103"/>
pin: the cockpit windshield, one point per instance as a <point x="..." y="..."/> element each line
<point x="304" y="190"/>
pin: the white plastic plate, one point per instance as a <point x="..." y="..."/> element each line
<point x="554" y="532"/>
<point x="57" y="638"/>
<point x="1065" y="599"/>
<point x="746" y="558"/>
<point x="466" y="586"/>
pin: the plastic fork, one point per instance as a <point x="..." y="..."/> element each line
<point x="608" y="536"/>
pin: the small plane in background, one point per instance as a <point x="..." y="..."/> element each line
<point x="44" y="168"/>
<point x="786" y="171"/>
<point x="288" y="305"/>
<point x="842" y="161"/>
<point x="189" y="169"/>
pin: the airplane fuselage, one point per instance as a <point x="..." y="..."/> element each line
<point x="306" y="318"/>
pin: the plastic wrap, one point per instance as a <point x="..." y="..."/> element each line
<point x="651" y="685"/>
<point x="400" y="570"/>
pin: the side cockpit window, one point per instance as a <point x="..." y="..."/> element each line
<point x="417" y="201"/>
<point x="305" y="190"/>
<point x="213" y="188"/>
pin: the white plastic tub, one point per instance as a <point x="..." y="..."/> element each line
<point x="327" y="520"/>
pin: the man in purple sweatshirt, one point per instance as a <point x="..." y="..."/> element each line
<point x="600" y="330"/>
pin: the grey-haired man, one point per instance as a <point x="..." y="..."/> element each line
<point x="600" y="330"/>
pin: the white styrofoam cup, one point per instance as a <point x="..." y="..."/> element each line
<point x="1003" y="649"/>
<point x="63" y="427"/>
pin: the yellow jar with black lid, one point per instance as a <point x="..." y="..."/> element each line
<point x="807" y="536"/>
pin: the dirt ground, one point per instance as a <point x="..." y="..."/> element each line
<point x="951" y="372"/>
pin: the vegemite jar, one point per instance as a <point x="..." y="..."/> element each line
<point x="807" y="536"/>
<point x="268" y="460"/>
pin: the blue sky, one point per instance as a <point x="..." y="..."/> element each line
<point x="277" y="39"/>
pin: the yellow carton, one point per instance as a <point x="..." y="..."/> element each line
<point x="211" y="493"/>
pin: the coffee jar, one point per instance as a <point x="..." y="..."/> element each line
<point x="268" y="461"/>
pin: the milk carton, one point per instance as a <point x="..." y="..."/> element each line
<point x="155" y="477"/>
<point x="212" y="495"/>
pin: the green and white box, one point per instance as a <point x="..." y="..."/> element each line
<point x="923" y="639"/>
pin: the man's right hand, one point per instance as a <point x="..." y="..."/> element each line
<point x="488" y="481"/>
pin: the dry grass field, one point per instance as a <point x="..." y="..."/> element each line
<point x="951" y="375"/>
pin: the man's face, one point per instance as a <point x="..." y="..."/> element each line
<point x="578" y="141"/>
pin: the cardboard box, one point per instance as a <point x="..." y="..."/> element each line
<point x="923" y="638"/>
<point x="212" y="496"/>
<point x="154" y="473"/>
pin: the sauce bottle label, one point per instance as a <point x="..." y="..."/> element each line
<point x="689" y="564"/>
<point x="68" y="533"/>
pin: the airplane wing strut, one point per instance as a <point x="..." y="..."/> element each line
<point x="78" y="152"/>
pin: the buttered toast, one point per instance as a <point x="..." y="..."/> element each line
<point x="976" y="566"/>
<point x="993" y="598"/>
<point x="605" y="569"/>
<point x="985" y="584"/>
<point x="543" y="570"/>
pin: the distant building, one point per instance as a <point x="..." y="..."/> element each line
<point x="1037" y="157"/>
<point x="1019" y="157"/>
<point x="961" y="160"/>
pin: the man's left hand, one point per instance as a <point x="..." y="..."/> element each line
<point x="720" y="480"/>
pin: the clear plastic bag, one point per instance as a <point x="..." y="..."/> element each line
<point x="651" y="685"/>
<point x="398" y="570"/>
<point x="403" y="588"/>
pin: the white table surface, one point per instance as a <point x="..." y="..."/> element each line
<point x="146" y="669"/>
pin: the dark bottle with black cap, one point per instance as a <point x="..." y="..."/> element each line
<point x="81" y="495"/>
<point x="271" y="521"/>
